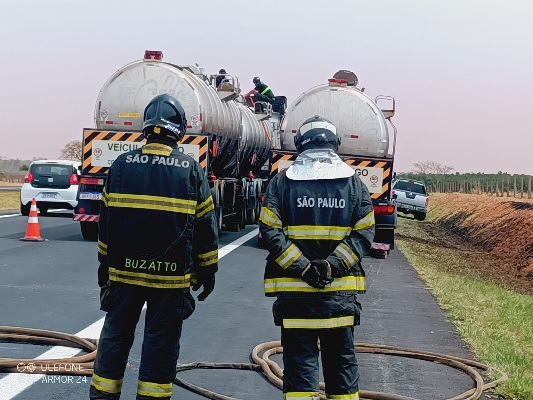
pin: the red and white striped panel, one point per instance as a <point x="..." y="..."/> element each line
<point x="380" y="246"/>
<point x="86" y="217"/>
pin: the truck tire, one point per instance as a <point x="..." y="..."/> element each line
<point x="25" y="209"/>
<point x="89" y="230"/>
<point x="420" y="216"/>
<point x="250" y="211"/>
<point x="218" y="216"/>
<point x="243" y="212"/>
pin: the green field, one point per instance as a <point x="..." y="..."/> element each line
<point x="497" y="323"/>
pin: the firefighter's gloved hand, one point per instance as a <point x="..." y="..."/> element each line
<point x="205" y="277"/>
<point x="103" y="275"/>
<point x="316" y="278"/>
<point x="324" y="268"/>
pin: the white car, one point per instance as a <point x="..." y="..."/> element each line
<point x="411" y="197"/>
<point x="53" y="184"/>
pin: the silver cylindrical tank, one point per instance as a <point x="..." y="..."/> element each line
<point x="123" y="98"/>
<point x="257" y="138"/>
<point x="359" y="121"/>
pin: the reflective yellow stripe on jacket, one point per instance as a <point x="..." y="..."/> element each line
<point x="265" y="90"/>
<point x="150" y="280"/>
<point x="317" y="232"/>
<point x="346" y="283"/>
<point x="205" y="207"/>
<point x="152" y="389"/>
<point x="208" y="258"/>
<point x="268" y="218"/>
<point x="365" y="222"/>
<point x="157" y="149"/>
<point x="102" y="248"/>
<point x="148" y="202"/>
<point x="290" y="255"/>
<point x="346" y="254"/>
<point x="106" y="385"/>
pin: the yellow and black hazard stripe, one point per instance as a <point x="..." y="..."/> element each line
<point x="387" y="174"/>
<point x="90" y="135"/>
<point x="200" y="141"/>
<point x="279" y="160"/>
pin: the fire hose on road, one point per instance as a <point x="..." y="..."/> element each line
<point x="260" y="356"/>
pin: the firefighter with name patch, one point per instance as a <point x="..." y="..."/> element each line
<point x="157" y="238"/>
<point x="317" y="222"/>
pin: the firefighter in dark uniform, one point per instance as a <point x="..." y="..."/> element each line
<point x="157" y="238"/>
<point x="317" y="223"/>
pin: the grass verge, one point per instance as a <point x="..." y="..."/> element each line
<point x="9" y="200"/>
<point x="497" y="323"/>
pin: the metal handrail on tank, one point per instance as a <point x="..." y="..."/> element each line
<point x="227" y="90"/>
<point x="388" y="114"/>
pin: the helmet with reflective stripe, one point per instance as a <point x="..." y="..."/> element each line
<point x="315" y="133"/>
<point x="164" y="118"/>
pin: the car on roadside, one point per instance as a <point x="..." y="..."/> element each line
<point x="53" y="184"/>
<point x="411" y="197"/>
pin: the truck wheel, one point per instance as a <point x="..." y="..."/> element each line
<point x="250" y="212"/>
<point x="25" y="209"/>
<point x="257" y="212"/>
<point x="89" y="230"/>
<point x="420" y="216"/>
<point x="242" y="222"/>
<point x="218" y="216"/>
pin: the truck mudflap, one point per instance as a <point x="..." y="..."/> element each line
<point x="380" y="250"/>
<point x="86" y="218"/>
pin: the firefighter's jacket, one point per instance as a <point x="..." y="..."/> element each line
<point x="305" y="220"/>
<point x="157" y="221"/>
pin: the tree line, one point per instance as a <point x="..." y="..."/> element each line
<point x="439" y="178"/>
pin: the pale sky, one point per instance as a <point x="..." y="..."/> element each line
<point x="461" y="70"/>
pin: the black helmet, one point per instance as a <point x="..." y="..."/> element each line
<point x="317" y="132"/>
<point x="167" y="114"/>
<point x="257" y="81"/>
<point x="222" y="71"/>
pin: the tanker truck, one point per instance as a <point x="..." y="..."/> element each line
<point x="365" y="142"/>
<point x="228" y="139"/>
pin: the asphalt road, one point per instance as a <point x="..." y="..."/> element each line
<point x="52" y="285"/>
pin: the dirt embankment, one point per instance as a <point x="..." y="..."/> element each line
<point x="495" y="232"/>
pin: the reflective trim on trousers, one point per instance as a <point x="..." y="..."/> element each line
<point x="301" y="396"/>
<point x="106" y="385"/>
<point x="152" y="389"/>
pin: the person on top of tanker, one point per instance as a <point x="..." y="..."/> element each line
<point x="221" y="77"/>
<point x="157" y="239"/>
<point x="317" y="222"/>
<point x="260" y="92"/>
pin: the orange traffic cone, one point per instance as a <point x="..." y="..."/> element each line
<point x="33" y="233"/>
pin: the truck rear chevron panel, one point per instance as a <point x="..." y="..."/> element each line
<point x="89" y="136"/>
<point x="200" y="141"/>
<point x="282" y="160"/>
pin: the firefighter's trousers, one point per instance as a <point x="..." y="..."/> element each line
<point x="300" y="363"/>
<point x="166" y="310"/>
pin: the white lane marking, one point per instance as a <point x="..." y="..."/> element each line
<point x="10" y="215"/>
<point x="13" y="384"/>
<point x="19" y="214"/>
<point x="233" y="245"/>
